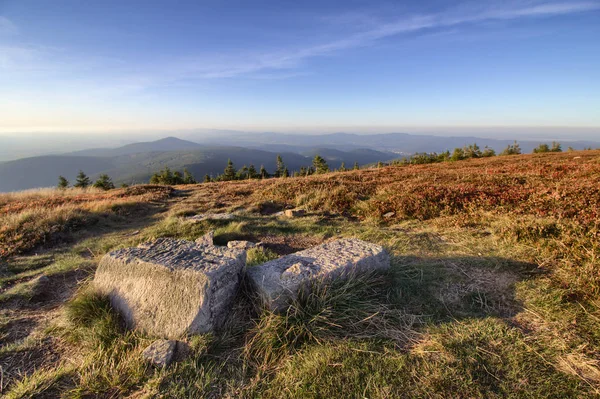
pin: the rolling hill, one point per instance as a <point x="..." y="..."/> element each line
<point x="135" y="163"/>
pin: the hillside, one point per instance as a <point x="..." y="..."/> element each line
<point x="136" y="163"/>
<point x="494" y="289"/>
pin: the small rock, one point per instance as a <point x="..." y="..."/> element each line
<point x="160" y="353"/>
<point x="206" y="239"/>
<point x="388" y="215"/>
<point x="245" y="245"/>
<point x="294" y="213"/>
<point x="39" y="286"/>
<point x="211" y="216"/>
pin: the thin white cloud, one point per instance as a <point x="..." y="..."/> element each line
<point x="126" y="79"/>
<point x="382" y="30"/>
<point x="7" y="27"/>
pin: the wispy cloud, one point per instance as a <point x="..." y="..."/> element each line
<point x="379" y="30"/>
<point x="287" y="62"/>
<point x="7" y="27"/>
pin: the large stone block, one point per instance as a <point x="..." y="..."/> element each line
<point x="169" y="287"/>
<point x="279" y="281"/>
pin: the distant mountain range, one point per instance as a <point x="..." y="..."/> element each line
<point x="136" y="162"/>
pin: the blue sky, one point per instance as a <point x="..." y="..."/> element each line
<point x="436" y="66"/>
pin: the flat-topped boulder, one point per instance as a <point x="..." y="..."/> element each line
<point x="169" y="288"/>
<point x="279" y="281"/>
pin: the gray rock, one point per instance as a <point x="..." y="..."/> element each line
<point x="169" y="288"/>
<point x="279" y="281"/>
<point x="245" y="245"/>
<point x="388" y="215"/>
<point x="160" y="353"/>
<point x="206" y="239"/>
<point x="211" y="216"/>
<point x="294" y="213"/>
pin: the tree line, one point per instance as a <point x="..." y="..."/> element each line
<point x="319" y="166"/>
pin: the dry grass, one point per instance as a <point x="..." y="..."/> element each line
<point x="33" y="218"/>
<point x="494" y="290"/>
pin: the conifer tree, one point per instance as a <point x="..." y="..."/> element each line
<point x="104" y="182"/>
<point x="252" y="173"/>
<point x="177" y="178"/>
<point x="207" y="178"/>
<point x="279" y="167"/>
<point x="320" y="164"/>
<point x="356" y="167"/>
<point x="379" y="165"/>
<point x="512" y="149"/>
<point x="82" y="181"/>
<point x="263" y="172"/>
<point x="229" y="172"/>
<point x="343" y="167"/>
<point x="62" y="183"/>
<point x="188" y="178"/>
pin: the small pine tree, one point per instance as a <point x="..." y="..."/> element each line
<point x="556" y="147"/>
<point x="207" y="178"/>
<point x="82" y="181"/>
<point x="62" y="183"/>
<point x="229" y="172"/>
<point x="279" y="167"/>
<point x="488" y="152"/>
<point x="512" y="149"/>
<point x="252" y="173"/>
<point x="379" y="165"/>
<point x="124" y="185"/>
<point x="356" y="167"/>
<point x="263" y="172"/>
<point x="342" y="167"/>
<point x="541" y="149"/>
<point x="104" y="182"/>
<point x="177" y="178"/>
<point x="320" y="164"/>
<point x="188" y="178"/>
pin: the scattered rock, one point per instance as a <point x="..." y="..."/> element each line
<point x="278" y="281"/>
<point x="245" y="245"/>
<point x="206" y="239"/>
<point x="39" y="286"/>
<point x="388" y="215"/>
<point x="160" y="353"/>
<point x="294" y="213"/>
<point x="133" y="233"/>
<point x="211" y="216"/>
<point x="169" y="287"/>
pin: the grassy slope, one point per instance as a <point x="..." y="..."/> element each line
<point x="494" y="289"/>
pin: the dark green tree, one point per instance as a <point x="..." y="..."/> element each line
<point x="252" y="173"/>
<point x="207" y="178"/>
<point x="356" y="167"/>
<point x="104" y="182"/>
<point x="320" y="164"/>
<point x="188" y="178"/>
<point x="177" y="178"/>
<point x="82" y="181"/>
<point x="62" y="183"/>
<point x="279" y="167"/>
<point x="488" y="152"/>
<point x="556" y="147"/>
<point x="541" y="148"/>
<point x="229" y="172"/>
<point x="242" y="174"/>
<point x="512" y="149"/>
<point x="263" y="172"/>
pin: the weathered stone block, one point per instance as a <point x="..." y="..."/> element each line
<point x="279" y="281"/>
<point x="169" y="287"/>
